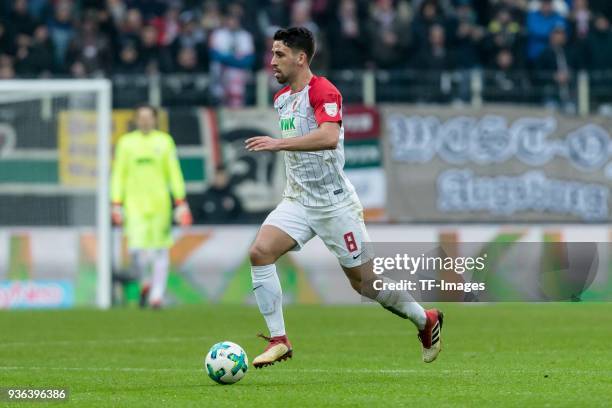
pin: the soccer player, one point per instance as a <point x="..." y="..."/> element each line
<point x="145" y="171"/>
<point x="318" y="199"/>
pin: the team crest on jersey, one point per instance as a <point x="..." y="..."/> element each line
<point x="331" y="108"/>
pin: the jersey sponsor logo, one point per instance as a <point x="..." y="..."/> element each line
<point x="331" y="108"/>
<point x="336" y="192"/>
<point x="287" y="123"/>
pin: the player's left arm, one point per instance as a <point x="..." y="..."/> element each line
<point x="182" y="214"/>
<point x="325" y="137"/>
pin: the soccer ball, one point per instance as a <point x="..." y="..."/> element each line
<point x="226" y="363"/>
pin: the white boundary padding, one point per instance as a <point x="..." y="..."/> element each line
<point x="102" y="89"/>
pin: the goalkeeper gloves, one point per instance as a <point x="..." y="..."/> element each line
<point x="182" y="214"/>
<point x="117" y="214"/>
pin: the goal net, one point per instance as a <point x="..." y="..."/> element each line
<point x="54" y="206"/>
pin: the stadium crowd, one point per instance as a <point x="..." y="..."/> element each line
<point x="231" y="39"/>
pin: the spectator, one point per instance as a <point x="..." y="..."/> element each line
<point x="23" y="22"/>
<point x="387" y="35"/>
<point x="508" y="81"/>
<point x="580" y="20"/>
<point x="129" y="60"/>
<point x="61" y="30"/>
<point x="347" y="41"/>
<point x="168" y="26"/>
<point x="117" y="10"/>
<point x="556" y="65"/>
<point x="212" y="17"/>
<point x="599" y="45"/>
<point x="516" y="8"/>
<point x="559" y="57"/>
<point x="429" y="14"/>
<point x="467" y="36"/>
<point x="504" y="33"/>
<point x="90" y="48"/>
<point x="540" y="24"/>
<point x="560" y="7"/>
<point x="7" y="70"/>
<point x="187" y="61"/>
<point x="436" y="57"/>
<point x="37" y="58"/>
<point x="78" y="70"/>
<point x="218" y="204"/>
<point x="273" y="14"/>
<point x="131" y="26"/>
<point x="232" y="55"/>
<point x="603" y="7"/>
<point x="193" y="36"/>
<point x="301" y="16"/>
<point x="154" y="56"/>
<point x="38" y="9"/>
<point x="148" y="8"/>
<point x="7" y="39"/>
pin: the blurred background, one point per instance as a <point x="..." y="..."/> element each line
<point x="465" y="120"/>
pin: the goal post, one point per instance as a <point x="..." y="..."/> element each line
<point x="55" y="154"/>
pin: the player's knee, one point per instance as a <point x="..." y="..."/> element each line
<point x="260" y="254"/>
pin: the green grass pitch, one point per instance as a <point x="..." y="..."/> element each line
<point x="519" y="355"/>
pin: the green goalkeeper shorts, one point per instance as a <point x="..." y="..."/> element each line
<point x="149" y="232"/>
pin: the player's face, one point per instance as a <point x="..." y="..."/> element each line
<point x="145" y="120"/>
<point x="285" y="61"/>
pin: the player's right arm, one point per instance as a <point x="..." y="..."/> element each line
<point x="118" y="181"/>
<point x="325" y="137"/>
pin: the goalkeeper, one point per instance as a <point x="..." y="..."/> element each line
<point x="145" y="171"/>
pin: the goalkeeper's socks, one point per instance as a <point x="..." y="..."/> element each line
<point x="161" y="263"/>
<point x="402" y="304"/>
<point x="269" y="297"/>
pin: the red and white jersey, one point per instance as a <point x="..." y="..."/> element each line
<point x="314" y="179"/>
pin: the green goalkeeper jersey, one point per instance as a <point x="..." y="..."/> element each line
<point x="145" y="171"/>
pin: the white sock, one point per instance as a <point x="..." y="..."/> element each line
<point x="161" y="262"/>
<point x="403" y="305"/>
<point x="140" y="265"/>
<point x="269" y="297"/>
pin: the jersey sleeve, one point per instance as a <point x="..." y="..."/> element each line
<point x="173" y="170"/>
<point x="118" y="173"/>
<point x="326" y="102"/>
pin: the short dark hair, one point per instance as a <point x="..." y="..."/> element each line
<point x="297" y="38"/>
<point x="152" y="108"/>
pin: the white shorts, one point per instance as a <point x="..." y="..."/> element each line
<point x="341" y="228"/>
